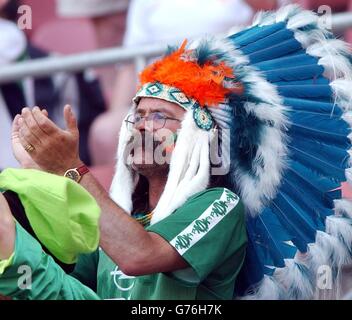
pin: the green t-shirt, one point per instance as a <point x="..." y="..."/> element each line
<point x="208" y="231"/>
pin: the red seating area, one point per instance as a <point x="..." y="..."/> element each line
<point x="42" y="11"/>
<point x="65" y="36"/>
<point x="60" y="35"/>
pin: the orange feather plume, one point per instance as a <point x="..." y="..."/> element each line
<point x="203" y="83"/>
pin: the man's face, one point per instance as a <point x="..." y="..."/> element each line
<point x="154" y="126"/>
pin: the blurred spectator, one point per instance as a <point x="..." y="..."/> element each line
<point x="109" y="20"/>
<point x="81" y="90"/>
<point x="157" y="21"/>
<point x="108" y="16"/>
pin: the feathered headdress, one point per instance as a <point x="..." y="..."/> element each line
<point x="281" y="88"/>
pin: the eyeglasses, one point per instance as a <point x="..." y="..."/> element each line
<point x="154" y="120"/>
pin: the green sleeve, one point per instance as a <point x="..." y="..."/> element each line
<point x="207" y="231"/>
<point x="5" y="263"/>
<point x="34" y="275"/>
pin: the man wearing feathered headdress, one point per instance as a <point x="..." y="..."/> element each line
<point x="230" y="141"/>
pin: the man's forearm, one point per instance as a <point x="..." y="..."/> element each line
<point x="122" y="238"/>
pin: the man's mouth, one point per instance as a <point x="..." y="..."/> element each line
<point x="144" y="141"/>
<point x="150" y="148"/>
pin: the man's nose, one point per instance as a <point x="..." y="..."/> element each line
<point x="145" y="125"/>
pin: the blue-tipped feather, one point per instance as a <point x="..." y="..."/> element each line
<point x="294" y="219"/>
<point x="312" y="92"/>
<point x="313" y="81"/>
<point x="271" y="239"/>
<point x="288" y="74"/>
<point x="299" y="58"/>
<point x="276" y="51"/>
<point x="313" y="106"/>
<point x="320" y="186"/>
<point x="322" y="166"/>
<point x="329" y="153"/>
<point x="281" y="36"/>
<point x="318" y="122"/>
<point x="254" y="34"/>
<point x="304" y="131"/>
<point x="313" y="207"/>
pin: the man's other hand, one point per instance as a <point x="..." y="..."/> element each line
<point x="7" y="230"/>
<point x="21" y="155"/>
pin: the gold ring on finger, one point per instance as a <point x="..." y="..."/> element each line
<point x="29" y="148"/>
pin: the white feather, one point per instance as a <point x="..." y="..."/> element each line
<point x="343" y="208"/>
<point x="322" y="46"/>
<point x="255" y="192"/>
<point x="179" y="163"/>
<point x="341" y="229"/>
<point x="266" y="19"/>
<point x="350" y="155"/>
<point x="347" y="116"/>
<point x="302" y="19"/>
<point x="234" y="30"/>
<point x="233" y="57"/>
<point x="122" y="185"/>
<point x="343" y="93"/>
<point x="198" y="182"/>
<point x="332" y="55"/>
<point x="336" y="255"/>
<point x="267" y="289"/>
<point x="258" y="18"/>
<point x="336" y="67"/>
<point x="295" y="283"/>
<point x="348" y="174"/>
<point x="268" y="112"/>
<point x="261" y="88"/>
<point x="318" y="257"/>
<point x="333" y="248"/>
<point x="309" y="38"/>
<point x="285" y="12"/>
